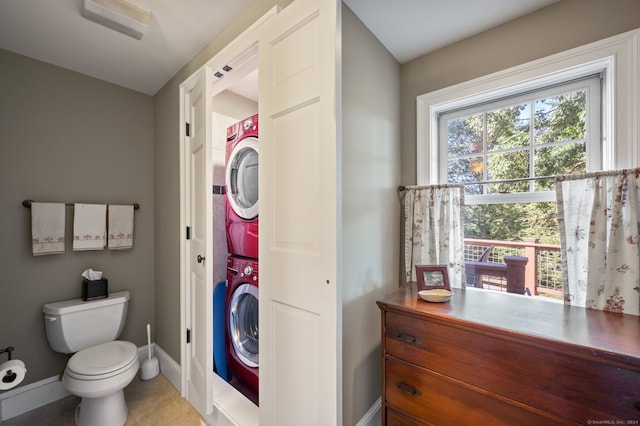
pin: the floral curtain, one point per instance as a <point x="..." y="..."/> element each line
<point x="434" y="230"/>
<point x="599" y="220"/>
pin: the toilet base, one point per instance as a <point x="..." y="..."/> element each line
<point x="110" y="410"/>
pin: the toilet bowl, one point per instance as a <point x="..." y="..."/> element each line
<point x="99" y="374"/>
<point x="101" y="366"/>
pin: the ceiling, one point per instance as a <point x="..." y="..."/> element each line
<point x="411" y="28"/>
<point x="53" y="31"/>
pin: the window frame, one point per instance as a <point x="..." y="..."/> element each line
<point x="615" y="58"/>
<point x="590" y="84"/>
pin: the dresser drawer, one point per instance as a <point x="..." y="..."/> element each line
<point x="395" y="418"/>
<point x="438" y="400"/>
<point x="507" y="364"/>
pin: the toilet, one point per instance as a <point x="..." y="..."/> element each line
<point x="101" y="366"/>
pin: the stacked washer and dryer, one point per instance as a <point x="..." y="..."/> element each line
<point x="241" y="223"/>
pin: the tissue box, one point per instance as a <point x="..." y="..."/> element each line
<point x="95" y="289"/>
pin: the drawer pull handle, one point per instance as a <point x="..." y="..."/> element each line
<point x="408" y="389"/>
<point x="406" y="338"/>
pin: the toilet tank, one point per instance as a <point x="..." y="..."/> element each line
<point x="73" y="325"/>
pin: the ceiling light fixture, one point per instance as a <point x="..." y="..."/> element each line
<point x="120" y="15"/>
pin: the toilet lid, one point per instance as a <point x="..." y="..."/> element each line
<point x="102" y="360"/>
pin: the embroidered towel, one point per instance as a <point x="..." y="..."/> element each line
<point x="89" y="225"/>
<point x="47" y="228"/>
<point x="120" y="227"/>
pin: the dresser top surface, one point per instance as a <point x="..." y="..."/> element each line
<point x="605" y="331"/>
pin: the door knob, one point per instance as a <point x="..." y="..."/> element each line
<point x="200" y="259"/>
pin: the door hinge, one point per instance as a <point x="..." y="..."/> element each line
<point x="187" y="129"/>
<point x="188" y="232"/>
<point x="188" y="335"/>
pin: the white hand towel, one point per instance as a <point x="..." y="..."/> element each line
<point x="47" y="228"/>
<point x="120" y="227"/>
<point x="89" y="225"/>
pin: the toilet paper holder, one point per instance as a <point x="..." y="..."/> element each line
<point x="10" y="376"/>
<point x="8" y="351"/>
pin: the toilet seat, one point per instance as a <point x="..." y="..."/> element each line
<point x="102" y="361"/>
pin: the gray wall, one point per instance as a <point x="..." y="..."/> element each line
<point x="66" y="137"/>
<point x="558" y="27"/>
<point x="370" y="206"/>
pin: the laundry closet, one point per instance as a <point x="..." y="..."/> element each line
<point x="220" y="300"/>
<point x="235" y="157"/>
<point x="295" y="51"/>
<point x="310" y="275"/>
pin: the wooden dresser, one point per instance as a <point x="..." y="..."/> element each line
<point x="495" y="358"/>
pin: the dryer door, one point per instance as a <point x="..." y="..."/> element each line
<point x="243" y="323"/>
<point x="242" y="178"/>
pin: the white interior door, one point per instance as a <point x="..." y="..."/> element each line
<point x="199" y="362"/>
<point x="300" y="339"/>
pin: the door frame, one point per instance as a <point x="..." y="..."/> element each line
<point x="241" y="48"/>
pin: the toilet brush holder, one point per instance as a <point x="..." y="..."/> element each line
<point x="150" y="366"/>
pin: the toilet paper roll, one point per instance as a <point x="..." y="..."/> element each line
<point x="11" y="374"/>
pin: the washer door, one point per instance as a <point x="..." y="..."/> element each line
<point x="243" y="323"/>
<point x="242" y="178"/>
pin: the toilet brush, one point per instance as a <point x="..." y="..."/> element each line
<point x="150" y="366"/>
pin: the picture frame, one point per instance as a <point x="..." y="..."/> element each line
<point x="432" y="277"/>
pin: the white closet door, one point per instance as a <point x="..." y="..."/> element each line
<point x="199" y="271"/>
<point x="300" y="339"/>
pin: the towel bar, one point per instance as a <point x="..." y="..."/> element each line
<point x="27" y="204"/>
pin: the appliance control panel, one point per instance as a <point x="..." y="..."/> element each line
<point x="250" y="271"/>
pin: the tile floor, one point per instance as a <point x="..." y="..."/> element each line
<point x="154" y="402"/>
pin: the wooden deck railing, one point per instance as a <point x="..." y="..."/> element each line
<point x="541" y="273"/>
<point x="513" y="271"/>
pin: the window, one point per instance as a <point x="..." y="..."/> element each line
<point x="516" y="141"/>
<point x="497" y="128"/>
<point x="513" y="148"/>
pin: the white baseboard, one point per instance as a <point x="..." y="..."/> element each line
<point x="29" y="397"/>
<point x="25" y="398"/>
<point x="373" y="416"/>
<point x="170" y="368"/>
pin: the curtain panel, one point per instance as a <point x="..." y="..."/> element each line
<point x="434" y="230"/>
<point x="599" y="224"/>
